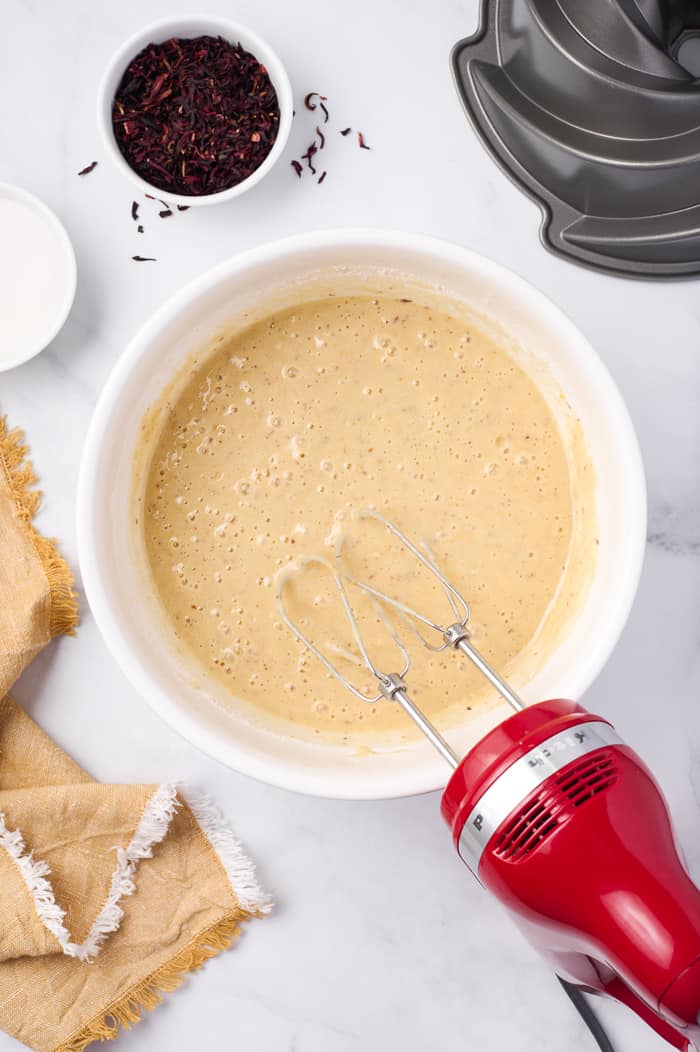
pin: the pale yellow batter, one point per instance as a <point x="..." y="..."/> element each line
<point x="322" y="410"/>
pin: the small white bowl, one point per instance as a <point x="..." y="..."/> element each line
<point x="187" y="26"/>
<point x="54" y="224"/>
<point x="122" y="598"/>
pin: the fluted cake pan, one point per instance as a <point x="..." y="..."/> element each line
<point x="587" y="106"/>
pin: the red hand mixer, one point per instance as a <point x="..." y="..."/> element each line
<point x="563" y="823"/>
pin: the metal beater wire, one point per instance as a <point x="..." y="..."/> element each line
<point x="458" y="604"/>
<point x="382" y="677"/>
<point x="455" y="636"/>
<point x="392" y="685"/>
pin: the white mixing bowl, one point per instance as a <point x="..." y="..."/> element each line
<point x="118" y="591"/>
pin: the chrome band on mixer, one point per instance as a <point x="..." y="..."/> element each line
<point x="524" y="776"/>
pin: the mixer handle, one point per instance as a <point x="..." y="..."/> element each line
<point x="621" y="992"/>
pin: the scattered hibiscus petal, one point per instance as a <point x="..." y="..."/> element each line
<point x="313" y="148"/>
<point x="183" y="208"/>
<point x="139" y="228"/>
<point x="134" y="210"/>
<point x="314" y="101"/>
<point x="89" y="168"/>
<point x="308" y="100"/>
<point x="144" y="259"/>
<point x="165" y="212"/>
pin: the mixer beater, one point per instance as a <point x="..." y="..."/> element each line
<point x="557" y="817"/>
<point x="392" y="685"/>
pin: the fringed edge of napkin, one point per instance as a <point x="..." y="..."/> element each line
<point x="20" y="478"/>
<point x="238" y="866"/>
<point x="148" y="993"/>
<point x="150" y="831"/>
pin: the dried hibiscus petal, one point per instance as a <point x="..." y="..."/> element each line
<point x="309" y="100"/>
<point x="313" y="148"/>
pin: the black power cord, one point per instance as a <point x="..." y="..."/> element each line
<point x="584" y="1009"/>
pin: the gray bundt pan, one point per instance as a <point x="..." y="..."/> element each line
<point x="585" y="104"/>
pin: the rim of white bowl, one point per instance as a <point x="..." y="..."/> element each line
<point x="17" y="193"/>
<point x="426" y="776"/>
<point x="160" y="30"/>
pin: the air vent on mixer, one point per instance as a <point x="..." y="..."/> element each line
<point x="537" y="819"/>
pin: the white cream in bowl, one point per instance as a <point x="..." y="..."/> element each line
<point x="37" y="276"/>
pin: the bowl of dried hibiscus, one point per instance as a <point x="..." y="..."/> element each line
<point x="195" y="109"/>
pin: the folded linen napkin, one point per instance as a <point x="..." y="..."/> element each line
<point x="109" y="894"/>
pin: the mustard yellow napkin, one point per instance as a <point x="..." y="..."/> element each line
<point x="109" y="894"/>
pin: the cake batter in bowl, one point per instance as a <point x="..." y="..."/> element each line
<point x="287" y="388"/>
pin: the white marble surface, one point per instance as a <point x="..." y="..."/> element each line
<point x="381" y="938"/>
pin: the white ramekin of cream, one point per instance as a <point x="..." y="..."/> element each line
<point x="37" y="276"/>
